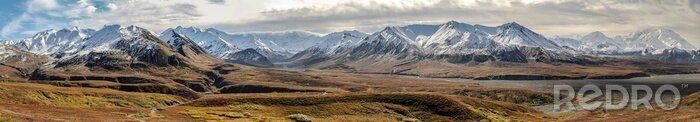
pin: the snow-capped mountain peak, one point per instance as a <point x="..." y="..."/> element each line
<point x="512" y="25"/>
<point x="276" y="46"/>
<point x="597" y="41"/>
<point x="395" y="32"/>
<point x="174" y="39"/>
<point x="448" y="35"/>
<point x="54" y="41"/>
<point x="657" y="38"/>
<point x="458" y="26"/>
<point x="110" y="34"/>
<point x="651" y="39"/>
<point x="214" y="31"/>
<point x="335" y="40"/>
<point x="210" y="40"/>
<point x="514" y="34"/>
<point x="418" y="31"/>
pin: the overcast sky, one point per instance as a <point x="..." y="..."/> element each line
<point x="22" y="19"/>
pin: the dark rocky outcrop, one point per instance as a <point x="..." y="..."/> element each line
<point x="249" y="57"/>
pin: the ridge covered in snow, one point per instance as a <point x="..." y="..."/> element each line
<point x="211" y="41"/>
<point x="55" y="41"/>
<point x="651" y="39"/>
<point x="592" y="42"/>
<point x="516" y="34"/>
<point x="277" y="45"/>
<point x="453" y="38"/>
<point x="333" y="41"/>
<point x="450" y="38"/>
<point x="656" y="38"/>
<point x="108" y="37"/>
<point x="453" y="42"/>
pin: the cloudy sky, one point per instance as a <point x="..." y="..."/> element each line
<point x="22" y="19"/>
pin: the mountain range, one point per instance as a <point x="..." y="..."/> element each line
<point x="654" y="39"/>
<point x="116" y="73"/>
<point x="452" y="42"/>
<point x="275" y="46"/>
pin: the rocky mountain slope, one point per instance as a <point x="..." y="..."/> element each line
<point x="250" y="57"/>
<point x="17" y="64"/>
<point x="209" y="41"/>
<point x="451" y="42"/>
<point x="135" y="60"/>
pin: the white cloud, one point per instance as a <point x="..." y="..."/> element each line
<point x="157" y="15"/>
<point x="81" y="9"/>
<point x="112" y="6"/>
<point x="152" y="14"/>
<point x="41" y="5"/>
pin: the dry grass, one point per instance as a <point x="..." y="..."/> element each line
<point x="517" y="96"/>
<point x="45" y="113"/>
<point x="394" y="107"/>
<point x="250" y="75"/>
<point x="681" y="114"/>
<point x="5" y="119"/>
<point x="688" y="111"/>
<point x="156" y="81"/>
<point x="314" y="80"/>
<point x="323" y="96"/>
<point x="39" y="102"/>
<point x="379" y="83"/>
<point x="27" y="93"/>
<point x="691" y="100"/>
<point x="254" y="112"/>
